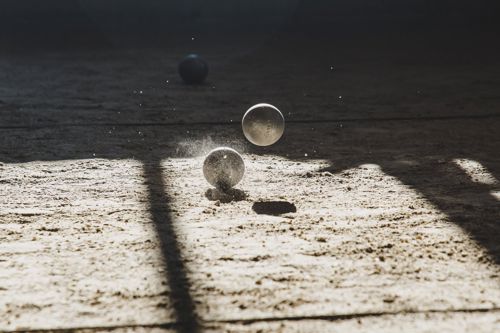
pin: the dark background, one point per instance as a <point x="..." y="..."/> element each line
<point x="36" y="24"/>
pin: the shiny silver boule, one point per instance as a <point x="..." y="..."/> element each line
<point x="263" y="124"/>
<point x="223" y="168"/>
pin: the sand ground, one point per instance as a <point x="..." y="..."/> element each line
<point x="378" y="211"/>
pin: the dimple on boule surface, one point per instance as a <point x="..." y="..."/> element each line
<point x="223" y="168"/>
<point x="263" y="124"/>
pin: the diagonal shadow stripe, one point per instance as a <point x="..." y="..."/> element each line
<point x="187" y="319"/>
<point x="467" y="204"/>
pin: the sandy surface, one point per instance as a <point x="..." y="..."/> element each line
<point x="347" y="224"/>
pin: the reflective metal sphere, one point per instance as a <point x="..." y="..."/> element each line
<point x="223" y="168"/>
<point x="193" y="69"/>
<point x="263" y="124"/>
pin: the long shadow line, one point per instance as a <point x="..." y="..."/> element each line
<point x="232" y="123"/>
<point x="182" y="302"/>
<point x="331" y="318"/>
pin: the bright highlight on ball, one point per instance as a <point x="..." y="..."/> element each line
<point x="263" y="124"/>
<point x="223" y="168"/>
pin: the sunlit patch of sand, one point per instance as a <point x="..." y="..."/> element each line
<point x="476" y="171"/>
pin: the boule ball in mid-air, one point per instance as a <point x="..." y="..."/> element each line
<point x="223" y="168"/>
<point x="263" y="124"/>
<point x="193" y="69"/>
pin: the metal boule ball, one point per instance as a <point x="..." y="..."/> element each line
<point x="193" y="69"/>
<point x="263" y="124"/>
<point x="223" y="168"/>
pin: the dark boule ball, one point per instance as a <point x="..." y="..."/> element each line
<point x="193" y="69"/>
